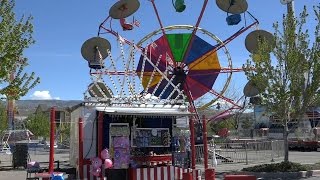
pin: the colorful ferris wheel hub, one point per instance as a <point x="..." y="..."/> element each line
<point x="197" y="73"/>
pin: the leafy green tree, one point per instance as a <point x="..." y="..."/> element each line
<point x="39" y="124"/>
<point x="289" y="77"/>
<point x="230" y="124"/>
<point x="64" y="131"/>
<point x="247" y="123"/>
<point x="15" y="37"/>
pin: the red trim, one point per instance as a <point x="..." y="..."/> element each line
<point x="155" y="173"/>
<point x="158" y="158"/>
<point x="52" y="124"/>
<point x="149" y="173"/>
<point x="141" y="173"/>
<point x="80" y="158"/>
<point x="162" y="173"/>
<point x="133" y="174"/>
<point x="169" y="172"/>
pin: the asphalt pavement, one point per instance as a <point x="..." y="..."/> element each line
<point x="41" y="155"/>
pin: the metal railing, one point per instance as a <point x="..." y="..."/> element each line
<point x="243" y="152"/>
<point x="274" y="133"/>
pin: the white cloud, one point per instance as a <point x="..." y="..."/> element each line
<point x="43" y="95"/>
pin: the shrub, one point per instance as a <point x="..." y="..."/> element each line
<point x="278" y="167"/>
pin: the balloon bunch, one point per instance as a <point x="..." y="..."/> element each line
<point x="106" y="157"/>
<point x="97" y="162"/>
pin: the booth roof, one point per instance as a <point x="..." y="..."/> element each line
<point x="167" y="110"/>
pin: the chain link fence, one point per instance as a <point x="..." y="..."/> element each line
<point x="242" y="152"/>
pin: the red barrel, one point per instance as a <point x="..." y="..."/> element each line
<point x="209" y="174"/>
<point x="187" y="176"/>
<point x="240" y="177"/>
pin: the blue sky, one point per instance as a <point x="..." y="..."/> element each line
<point x="61" y="27"/>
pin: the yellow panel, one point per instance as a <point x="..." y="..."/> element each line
<point x="146" y="78"/>
<point x="208" y="61"/>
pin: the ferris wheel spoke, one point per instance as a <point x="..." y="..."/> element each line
<point x="127" y="65"/>
<point x="118" y="77"/>
<point x="163" y="32"/>
<point x="132" y="58"/>
<point x="158" y="85"/>
<point x="174" y="90"/>
<point x="167" y="85"/>
<point x="213" y="118"/>
<point x="194" y="31"/>
<point x="143" y="66"/>
<point x="152" y="74"/>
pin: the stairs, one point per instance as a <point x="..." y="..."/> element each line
<point x="5" y="147"/>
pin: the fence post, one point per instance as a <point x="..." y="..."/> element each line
<point x="245" y="148"/>
<point x="52" y="133"/>
<point x="80" y="145"/>
<point x="280" y="150"/>
<point x="272" y="154"/>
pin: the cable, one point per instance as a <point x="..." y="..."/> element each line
<point x="93" y="124"/>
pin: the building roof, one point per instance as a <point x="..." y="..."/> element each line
<point x="151" y="110"/>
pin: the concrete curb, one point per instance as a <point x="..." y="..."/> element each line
<point x="281" y="175"/>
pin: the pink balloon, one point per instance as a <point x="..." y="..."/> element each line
<point x="105" y="154"/>
<point x="96" y="162"/>
<point x="96" y="171"/>
<point x="107" y="163"/>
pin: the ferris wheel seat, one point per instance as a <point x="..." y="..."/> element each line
<point x="127" y="27"/>
<point x="95" y="65"/>
<point x="233" y="19"/>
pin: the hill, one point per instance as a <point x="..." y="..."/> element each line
<point x="26" y="107"/>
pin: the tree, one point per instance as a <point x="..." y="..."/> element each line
<point x="229" y="124"/>
<point x="38" y="124"/>
<point x="247" y="123"/>
<point x="289" y="78"/>
<point x="64" y="131"/>
<point x="15" y="37"/>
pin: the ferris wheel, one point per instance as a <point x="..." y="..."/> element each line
<point x="175" y="64"/>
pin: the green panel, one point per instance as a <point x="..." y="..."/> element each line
<point x="178" y="44"/>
